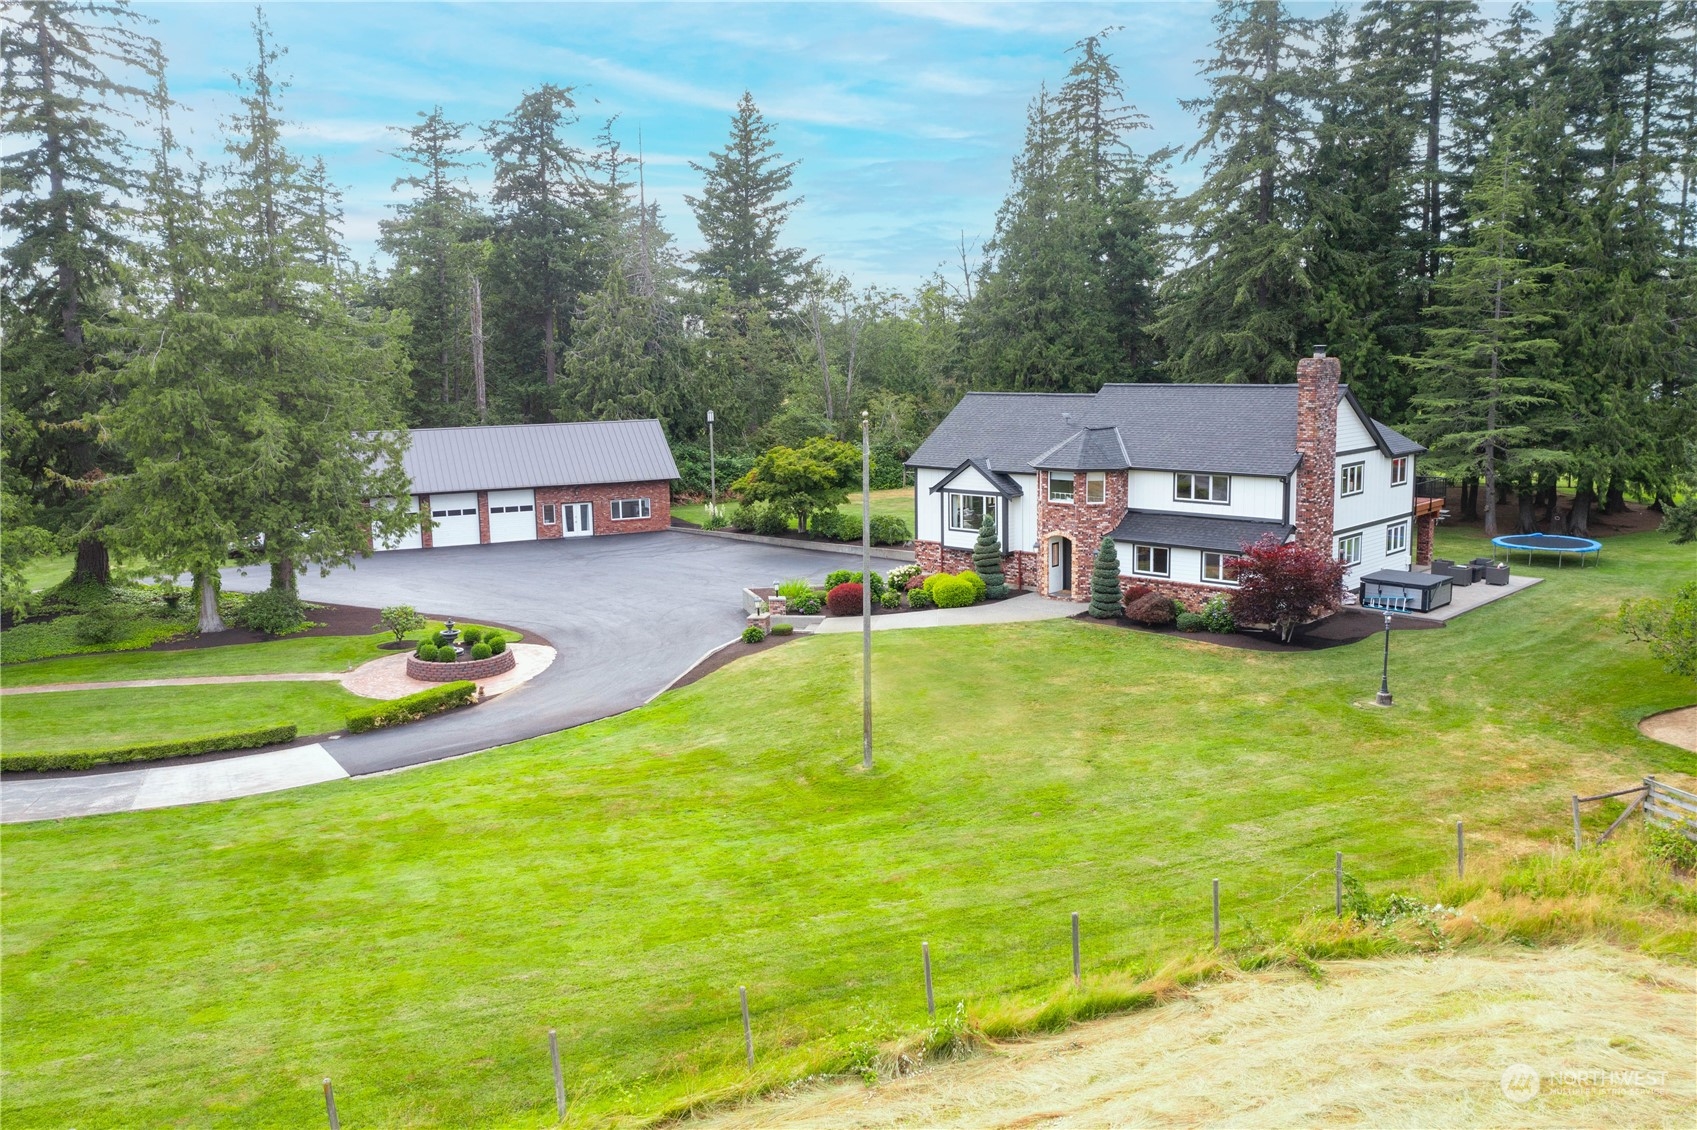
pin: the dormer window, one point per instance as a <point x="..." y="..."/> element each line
<point x="1190" y="486"/>
<point x="1060" y="486"/>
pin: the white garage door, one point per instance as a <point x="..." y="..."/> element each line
<point x="455" y="517"/>
<point x="512" y="515"/>
<point x="412" y="540"/>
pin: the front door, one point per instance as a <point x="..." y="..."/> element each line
<point x="575" y="521"/>
<point x="1060" y="566"/>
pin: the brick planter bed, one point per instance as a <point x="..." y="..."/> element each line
<point x="464" y="669"/>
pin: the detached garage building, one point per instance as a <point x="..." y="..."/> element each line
<point x="523" y="482"/>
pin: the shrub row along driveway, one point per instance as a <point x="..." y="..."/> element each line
<point x="628" y="614"/>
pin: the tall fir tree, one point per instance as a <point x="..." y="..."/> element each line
<point x="741" y="212"/>
<point x="71" y="74"/>
<point x="1238" y="309"/>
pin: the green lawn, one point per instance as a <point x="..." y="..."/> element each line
<point x="897" y="503"/>
<point x="414" y="936"/>
<point x="69" y="720"/>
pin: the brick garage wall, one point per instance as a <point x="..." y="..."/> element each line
<point x="424" y="512"/>
<point x="483" y="516"/>
<point x="1086" y="525"/>
<point x="600" y="497"/>
<point x="464" y="669"/>
<point x="1425" y="530"/>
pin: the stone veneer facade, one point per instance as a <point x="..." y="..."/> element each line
<point x="1317" y="443"/>
<point x="601" y="496"/>
<point x="1019" y="568"/>
<point x="1083" y="524"/>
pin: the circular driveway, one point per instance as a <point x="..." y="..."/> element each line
<point x="628" y="614"/>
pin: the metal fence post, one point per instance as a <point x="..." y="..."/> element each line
<point x="330" y="1105"/>
<point x="747" y="1030"/>
<point x="930" y="1000"/>
<point x="1337" y="874"/>
<point x="1077" y="967"/>
<point x="559" y="1077"/>
<point x="1216" y="914"/>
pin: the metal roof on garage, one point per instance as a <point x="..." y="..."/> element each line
<point x="513" y="456"/>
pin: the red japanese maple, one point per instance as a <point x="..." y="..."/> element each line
<point x="1285" y="585"/>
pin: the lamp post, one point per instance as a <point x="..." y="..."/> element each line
<point x="866" y="590"/>
<point x="1383" y="698"/>
<point x="712" y="468"/>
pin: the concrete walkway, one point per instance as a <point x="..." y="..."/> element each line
<point x="387" y="677"/>
<point x="163" y="786"/>
<point x="1013" y="610"/>
<point x="185" y="681"/>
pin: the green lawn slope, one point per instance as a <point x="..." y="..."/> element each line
<point x="415" y="936"/>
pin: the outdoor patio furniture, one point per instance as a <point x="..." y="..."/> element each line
<point x="1496" y="574"/>
<point x="1460" y="575"/>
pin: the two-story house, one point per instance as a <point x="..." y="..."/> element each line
<point x="1182" y="477"/>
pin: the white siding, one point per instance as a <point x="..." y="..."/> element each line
<point x="928" y="524"/>
<point x="1022" y="515"/>
<point x="1252" y="496"/>
<point x="1373" y="555"/>
<point x="1378" y="501"/>
<point x="1352" y="430"/>
<point x="412" y="540"/>
<point x="1186" y="565"/>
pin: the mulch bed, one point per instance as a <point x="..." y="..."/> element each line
<point x="1351" y="625"/>
<point x="332" y="620"/>
<point x="728" y="655"/>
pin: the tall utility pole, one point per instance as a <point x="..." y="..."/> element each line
<point x="866" y="590"/>
<point x="712" y="468"/>
<point x="477" y="350"/>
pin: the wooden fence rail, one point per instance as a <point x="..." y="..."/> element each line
<point x="1663" y="805"/>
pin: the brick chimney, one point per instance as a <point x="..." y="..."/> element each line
<point x="1317" y="443"/>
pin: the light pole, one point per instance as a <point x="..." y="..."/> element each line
<point x="866" y="590"/>
<point x="1383" y="698"/>
<point x="712" y="468"/>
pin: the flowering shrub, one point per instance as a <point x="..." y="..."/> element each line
<point x="899" y="577"/>
<point x="845" y="599"/>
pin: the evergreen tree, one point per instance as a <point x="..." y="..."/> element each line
<point x="987" y="558"/>
<point x="550" y="242"/>
<point x="741" y="213"/>
<point x="1238" y="310"/>
<point x="70" y="73"/>
<point x="1486" y="399"/>
<point x="1107" y="601"/>
<point x="432" y="240"/>
<point x="608" y="373"/>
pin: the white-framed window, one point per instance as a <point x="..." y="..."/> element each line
<point x="1349" y="549"/>
<point x="1351" y="477"/>
<point x="1215" y="570"/>
<point x="627" y="508"/>
<point x="1396" y="537"/>
<point x="1095" y="488"/>
<point x="1060" y="486"/>
<point x="1150" y="561"/>
<point x="1188" y="486"/>
<point x="966" y="511"/>
<point x="1399" y="470"/>
<point x="550" y="516"/>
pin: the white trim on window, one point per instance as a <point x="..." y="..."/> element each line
<point x="1214" y="569"/>
<point x="1349" y="549"/>
<point x="1352" y="479"/>
<point x="637" y="508"/>
<point x="1151" y="561"/>
<point x="960" y="506"/>
<point x="1396" y="537"/>
<point x="550" y="517"/>
<point x="1195" y="486"/>
<point x="1399" y="470"/>
<point x="1061" y="478"/>
<point x="1095" y="488"/>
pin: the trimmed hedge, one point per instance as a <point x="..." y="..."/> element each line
<point x="413" y="707"/>
<point x="954" y="592"/>
<point x="88" y="758"/>
<point x="846" y="599"/>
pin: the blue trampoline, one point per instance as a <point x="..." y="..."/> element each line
<point x="1559" y="544"/>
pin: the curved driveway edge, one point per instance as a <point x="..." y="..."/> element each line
<point x="627" y="614"/>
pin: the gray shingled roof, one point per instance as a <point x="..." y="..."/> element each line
<point x="513" y="456"/>
<point x="1092" y="449"/>
<point x="1195" y="531"/>
<point x="1003" y="484"/>
<point x="1225" y="429"/>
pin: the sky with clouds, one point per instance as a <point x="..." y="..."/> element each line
<point x="904" y="117"/>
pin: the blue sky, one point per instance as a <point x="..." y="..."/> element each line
<point x="904" y="116"/>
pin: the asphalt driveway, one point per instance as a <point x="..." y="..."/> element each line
<point x="628" y="615"/>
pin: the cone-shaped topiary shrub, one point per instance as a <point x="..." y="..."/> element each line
<point x="987" y="559"/>
<point x="1105" y="583"/>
